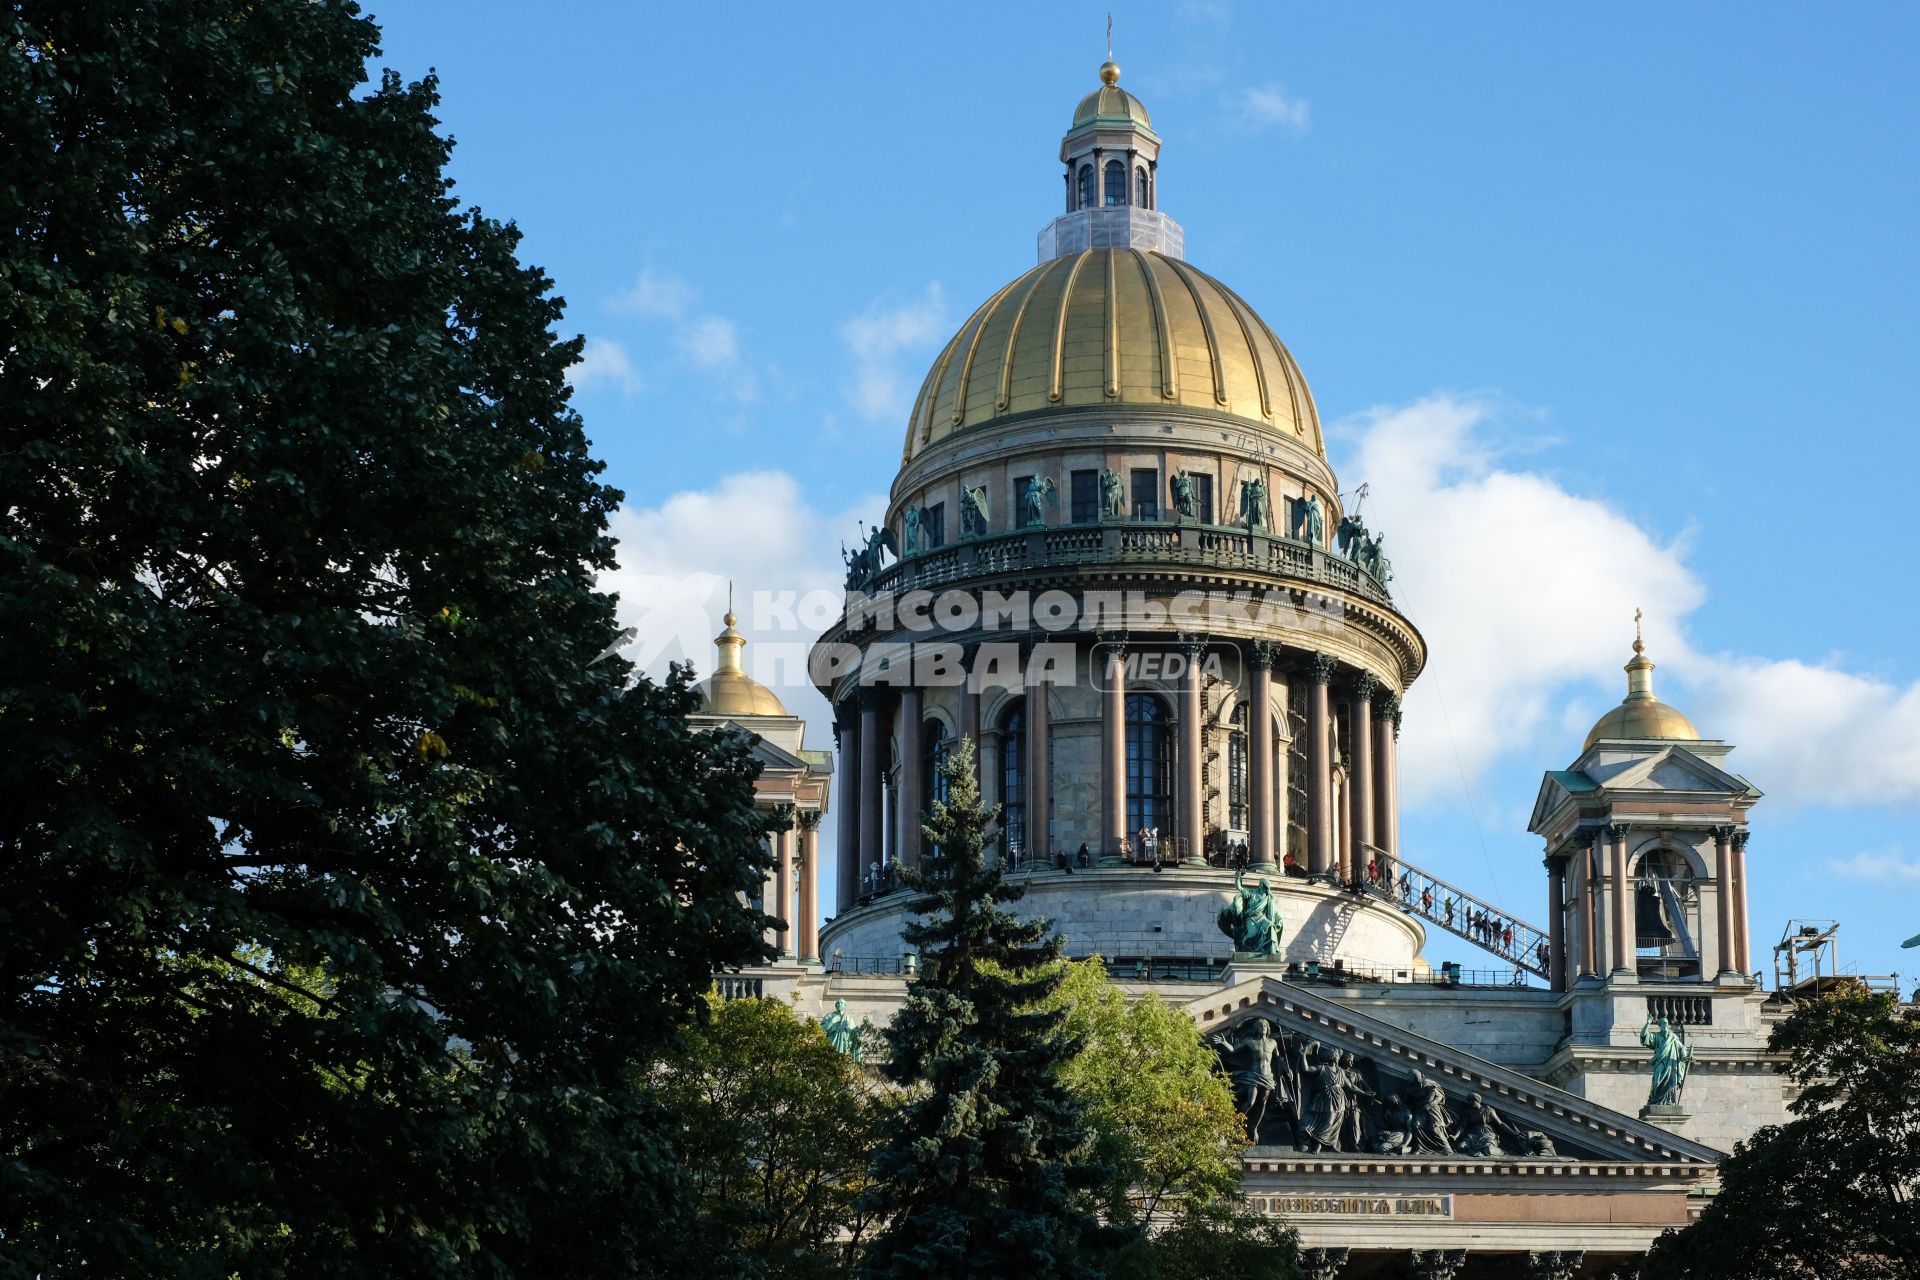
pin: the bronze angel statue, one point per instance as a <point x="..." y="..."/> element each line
<point x="1040" y="490"/>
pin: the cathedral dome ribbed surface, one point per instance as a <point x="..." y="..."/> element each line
<point x="1114" y="328"/>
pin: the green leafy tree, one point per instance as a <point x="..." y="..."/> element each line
<point x="339" y="890"/>
<point x="778" y="1133"/>
<point x="1831" y="1193"/>
<point x="1162" y="1117"/>
<point x="988" y="1173"/>
<point x="1167" y="1137"/>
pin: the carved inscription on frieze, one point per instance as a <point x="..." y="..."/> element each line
<point x="1352" y="1206"/>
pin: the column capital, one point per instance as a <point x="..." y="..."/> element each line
<point x="874" y="700"/>
<point x="780" y="818"/>
<point x="1618" y="830"/>
<point x="1113" y="644"/>
<point x="1723" y="832"/>
<point x="1320" y="667"/>
<point x="1583" y="837"/>
<point x="1264" y="653"/>
<point x="1322" y="1264"/>
<point x="1556" y="861"/>
<point x="1364" y="686"/>
<point x="810" y="819"/>
<point x="1435" y="1264"/>
<point x="1194" y="646"/>
<point x="1554" y="1265"/>
<point x="1740" y="840"/>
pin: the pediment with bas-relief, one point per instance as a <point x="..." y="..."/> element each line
<point x="1314" y="1076"/>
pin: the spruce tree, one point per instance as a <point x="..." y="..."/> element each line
<point x="990" y="1171"/>
<point x="340" y="887"/>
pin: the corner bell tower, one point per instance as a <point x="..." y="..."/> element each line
<point x="1646" y="850"/>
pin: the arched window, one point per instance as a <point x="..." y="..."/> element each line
<point x="1149" y="765"/>
<point x="1013" y="779"/>
<point x="1140" y="193"/>
<point x="1237" y="770"/>
<point x="1086" y="186"/>
<point x="1116" y="182"/>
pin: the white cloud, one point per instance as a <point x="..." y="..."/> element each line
<point x="878" y="338"/>
<point x="1884" y="869"/>
<point x="1525" y="592"/>
<point x="1270" y="105"/>
<point x="710" y="342"/>
<point x="705" y="341"/>
<point x="676" y="560"/>
<point x="604" y="360"/>
<point x="655" y="293"/>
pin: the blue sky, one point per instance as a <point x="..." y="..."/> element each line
<point x="1612" y="306"/>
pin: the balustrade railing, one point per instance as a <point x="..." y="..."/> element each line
<point x="1426" y="895"/>
<point x="1123" y="541"/>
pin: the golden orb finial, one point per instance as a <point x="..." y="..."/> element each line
<point x="1110" y="72"/>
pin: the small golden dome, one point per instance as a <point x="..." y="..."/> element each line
<point x="1642" y="715"/>
<point x="730" y="691"/>
<point x="1107" y="328"/>
<point x="1111" y="105"/>
<point x="1109" y="72"/>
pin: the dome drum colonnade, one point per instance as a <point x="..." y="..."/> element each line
<point x="1160" y="407"/>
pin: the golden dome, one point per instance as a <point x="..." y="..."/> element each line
<point x="1642" y="715"/>
<point x="1114" y="327"/>
<point x="1110" y="104"/>
<point x="730" y="691"/>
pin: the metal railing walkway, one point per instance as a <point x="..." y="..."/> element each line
<point x="1486" y="926"/>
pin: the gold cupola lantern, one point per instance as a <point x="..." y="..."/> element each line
<point x="1640" y="715"/>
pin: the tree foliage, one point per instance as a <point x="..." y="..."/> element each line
<point x="1162" y="1117"/>
<point x="338" y="893"/>
<point x="1832" y="1193"/>
<point x="778" y="1133"/>
<point x="988" y="1173"/>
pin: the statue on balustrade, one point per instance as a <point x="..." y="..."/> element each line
<point x="911" y="543"/>
<point x="1252" y="919"/>
<point x="973" y="511"/>
<point x="1256" y="508"/>
<point x="1671" y="1057"/>
<point x="1113" y="495"/>
<point x="1186" y="500"/>
<point x="1039" y="490"/>
<point x="1309" y="523"/>
<point x="842" y="1034"/>
<point x="1351" y="536"/>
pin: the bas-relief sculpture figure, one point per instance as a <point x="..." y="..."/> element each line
<point x="842" y="1034"/>
<point x="1113" y="495"/>
<point x="1326" y="1102"/>
<point x="973" y="511"/>
<point x="1252" y="919"/>
<point x="1257" y="1084"/>
<point x="1256" y="508"/>
<point x="1186" y="500"/>
<point x="1039" y="489"/>
<point x="1671" y="1057"/>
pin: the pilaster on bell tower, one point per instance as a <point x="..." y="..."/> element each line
<point x="1112" y="170"/>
